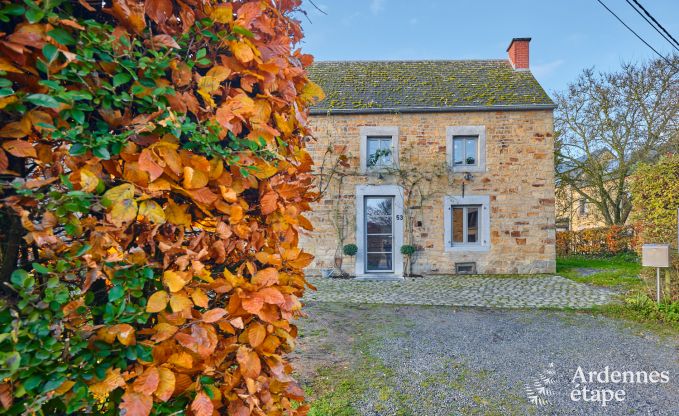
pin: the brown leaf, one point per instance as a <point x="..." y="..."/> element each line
<point x="202" y="405"/>
<point x="248" y="360"/>
<point x="6" y="396"/>
<point x="20" y="148"/>
<point x="148" y="164"/>
<point x="136" y="404"/>
<point x="129" y="13"/>
<point x="16" y="129"/>
<point x="157" y="302"/>
<point x="112" y="381"/>
<point x="256" y="334"/>
<point x="147" y="382"/>
<point x="4" y="161"/>
<point x="164" y="331"/>
<point x="158" y="10"/>
<point x="165" y="385"/>
<point x="214" y="315"/>
<point x="166" y="41"/>
<point x="176" y="214"/>
<point x="268" y="202"/>
<point x="266" y="277"/>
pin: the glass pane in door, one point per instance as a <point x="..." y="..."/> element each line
<point x="379" y="234"/>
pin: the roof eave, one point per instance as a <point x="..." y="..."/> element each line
<point x="453" y="109"/>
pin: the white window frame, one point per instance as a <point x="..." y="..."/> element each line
<point x="484" y="222"/>
<point x="466" y="131"/>
<point x="378" y="131"/>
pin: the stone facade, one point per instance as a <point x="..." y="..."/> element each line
<point x="518" y="181"/>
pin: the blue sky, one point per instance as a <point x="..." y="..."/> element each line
<point x="568" y="35"/>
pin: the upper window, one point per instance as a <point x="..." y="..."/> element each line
<point x="379" y="148"/>
<point x="466" y="148"/>
<point x="379" y="151"/>
<point x="583" y="207"/>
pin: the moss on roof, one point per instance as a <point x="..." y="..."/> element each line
<point x="358" y="86"/>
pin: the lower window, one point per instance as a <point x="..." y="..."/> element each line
<point x="466" y="225"/>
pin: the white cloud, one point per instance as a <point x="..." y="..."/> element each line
<point x="546" y="69"/>
<point x="377" y="6"/>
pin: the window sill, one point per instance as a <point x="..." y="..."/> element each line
<point x="469" y="248"/>
<point x="465" y="169"/>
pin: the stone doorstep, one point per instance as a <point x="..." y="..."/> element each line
<point x="379" y="277"/>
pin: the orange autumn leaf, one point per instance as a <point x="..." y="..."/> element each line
<point x="19" y="148"/>
<point x="166" y="384"/>
<point x="157" y="302"/>
<point x="214" y="315"/>
<point x="164" y="331"/>
<point x="249" y="362"/>
<point x="266" y="277"/>
<point x="147" y="383"/>
<point x="112" y="381"/>
<point x="256" y="334"/>
<point x="202" y="405"/>
<point x="175" y="281"/>
<point x="136" y="404"/>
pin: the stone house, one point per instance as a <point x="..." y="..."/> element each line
<point x="451" y="157"/>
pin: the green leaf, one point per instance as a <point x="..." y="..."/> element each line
<point x="101" y="152"/>
<point x="49" y="51"/>
<point x="21" y="278"/>
<point x="42" y="100"/>
<point x="115" y="293"/>
<point x="61" y="36"/>
<point x="121" y="78"/>
<point x="32" y="382"/>
<point x="243" y="31"/>
<point x="12" y="362"/>
<point x="13" y="10"/>
<point x="53" y="383"/>
<point x="40" y="268"/>
<point x="77" y="149"/>
<point x="201" y="53"/>
<point x="34" y="15"/>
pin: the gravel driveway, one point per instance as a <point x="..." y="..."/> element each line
<point x="434" y="360"/>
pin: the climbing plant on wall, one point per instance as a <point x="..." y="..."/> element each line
<point x="153" y="186"/>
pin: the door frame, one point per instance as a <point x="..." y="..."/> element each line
<point x="365" y="230"/>
<point x="396" y="192"/>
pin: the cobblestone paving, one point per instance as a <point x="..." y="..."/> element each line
<point x="482" y="291"/>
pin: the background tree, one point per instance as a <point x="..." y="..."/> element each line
<point x="608" y="123"/>
<point x="154" y="184"/>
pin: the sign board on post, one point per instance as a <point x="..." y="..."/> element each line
<point x="656" y="255"/>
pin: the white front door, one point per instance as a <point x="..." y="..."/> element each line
<point x="379" y="234"/>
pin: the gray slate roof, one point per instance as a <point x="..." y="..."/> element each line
<point x="425" y="86"/>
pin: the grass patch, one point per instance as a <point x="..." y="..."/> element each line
<point x="621" y="271"/>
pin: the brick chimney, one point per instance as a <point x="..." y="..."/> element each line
<point x="518" y="52"/>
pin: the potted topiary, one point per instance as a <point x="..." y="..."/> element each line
<point x="407" y="250"/>
<point x="349" y="250"/>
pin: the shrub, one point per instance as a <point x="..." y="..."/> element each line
<point x="597" y="241"/>
<point x="161" y="184"/>
<point x="350" y="249"/>
<point x="667" y="311"/>
<point x="655" y="200"/>
<point x="407" y="250"/>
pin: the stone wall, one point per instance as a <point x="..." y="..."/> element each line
<point x="519" y="179"/>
